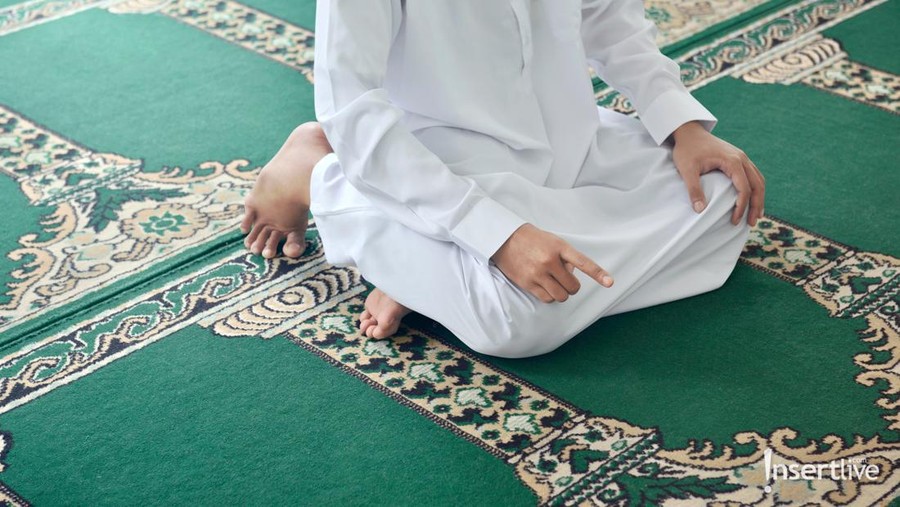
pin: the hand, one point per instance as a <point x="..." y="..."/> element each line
<point x="698" y="152"/>
<point x="544" y="264"/>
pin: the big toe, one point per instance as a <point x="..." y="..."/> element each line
<point x="382" y="332"/>
<point x="386" y="327"/>
<point x="293" y="247"/>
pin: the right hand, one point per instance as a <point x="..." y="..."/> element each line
<point x="544" y="264"/>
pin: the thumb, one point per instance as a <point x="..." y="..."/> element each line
<point x="695" y="190"/>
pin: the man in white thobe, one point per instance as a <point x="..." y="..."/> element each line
<point x="461" y="163"/>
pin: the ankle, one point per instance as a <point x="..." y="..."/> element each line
<point x="309" y="134"/>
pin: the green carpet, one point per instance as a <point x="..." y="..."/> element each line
<point x="148" y="359"/>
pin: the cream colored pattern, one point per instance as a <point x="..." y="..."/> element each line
<point x="86" y="243"/>
<point x="820" y="62"/>
<point x="738" y="52"/>
<point x="249" y="28"/>
<point x="679" y="19"/>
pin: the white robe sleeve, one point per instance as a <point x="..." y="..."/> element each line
<point x="620" y="43"/>
<point x="380" y="156"/>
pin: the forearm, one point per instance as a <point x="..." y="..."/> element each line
<point x="620" y="44"/>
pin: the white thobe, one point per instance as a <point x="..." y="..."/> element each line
<point x="454" y="122"/>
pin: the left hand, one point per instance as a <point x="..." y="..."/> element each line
<point x="698" y="152"/>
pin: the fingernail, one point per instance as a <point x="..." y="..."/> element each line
<point x="762" y="213"/>
<point x="607" y="281"/>
<point x="267" y="252"/>
<point x="699" y="206"/>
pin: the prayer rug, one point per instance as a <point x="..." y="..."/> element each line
<point x="148" y="359"/>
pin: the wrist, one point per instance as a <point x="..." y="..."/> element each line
<point x="687" y="129"/>
<point x="502" y="249"/>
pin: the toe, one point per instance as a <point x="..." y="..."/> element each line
<point x="249" y="218"/>
<point x="251" y="238"/>
<point x="260" y="242"/>
<point x="364" y="318"/>
<point x="293" y="246"/>
<point x="271" y="248"/>
<point x="386" y="327"/>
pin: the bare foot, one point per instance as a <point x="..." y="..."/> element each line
<point x="277" y="208"/>
<point x="382" y="315"/>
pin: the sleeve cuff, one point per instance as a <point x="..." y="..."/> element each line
<point x="670" y="110"/>
<point x="485" y="228"/>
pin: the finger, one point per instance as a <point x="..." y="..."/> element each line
<point x="366" y="324"/>
<point x="734" y="169"/>
<point x="556" y="291"/>
<point x="587" y="266"/>
<point x="247" y="222"/>
<point x="564" y="277"/>
<point x="759" y="173"/>
<point x="759" y="189"/>
<point x="539" y="292"/>
<point x="293" y="246"/>
<point x="260" y="243"/>
<point x="271" y="248"/>
<point x="757" y="194"/>
<point x="370" y="331"/>
<point x="695" y="190"/>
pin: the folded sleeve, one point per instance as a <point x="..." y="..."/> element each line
<point x="620" y="43"/>
<point x="380" y="156"/>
